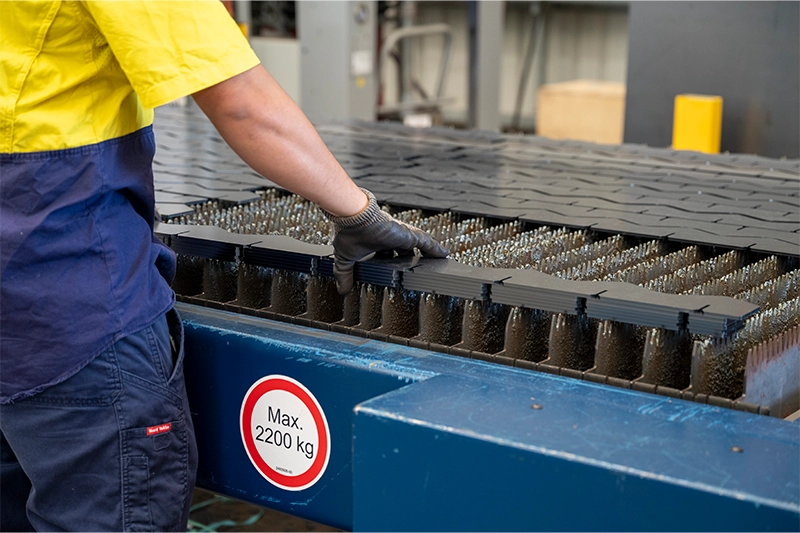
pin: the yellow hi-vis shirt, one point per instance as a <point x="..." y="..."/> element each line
<point x="79" y="73"/>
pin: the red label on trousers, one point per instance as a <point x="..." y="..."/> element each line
<point x="157" y="430"/>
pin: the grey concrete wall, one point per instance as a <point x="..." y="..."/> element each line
<point x="747" y="52"/>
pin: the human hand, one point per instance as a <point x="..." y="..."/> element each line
<point x="371" y="231"/>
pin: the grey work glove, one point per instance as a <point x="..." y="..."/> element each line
<point x="371" y="231"/>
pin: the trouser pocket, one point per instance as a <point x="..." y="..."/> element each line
<point x="155" y="476"/>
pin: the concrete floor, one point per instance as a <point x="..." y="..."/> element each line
<point x="225" y="514"/>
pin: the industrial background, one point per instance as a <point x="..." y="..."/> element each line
<point x="614" y="342"/>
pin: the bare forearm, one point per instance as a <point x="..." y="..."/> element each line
<point x="273" y="136"/>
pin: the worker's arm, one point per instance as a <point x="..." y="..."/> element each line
<point x="272" y="135"/>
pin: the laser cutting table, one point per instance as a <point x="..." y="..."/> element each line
<point x="420" y="440"/>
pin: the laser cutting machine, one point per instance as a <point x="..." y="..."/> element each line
<point x="613" y="343"/>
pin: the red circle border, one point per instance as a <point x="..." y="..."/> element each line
<point x="255" y="393"/>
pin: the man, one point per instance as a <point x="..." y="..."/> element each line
<point x="95" y="431"/>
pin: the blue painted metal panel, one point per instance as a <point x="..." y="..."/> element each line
<point x="429" y="441"/>
<point x="459" y="454"/>
<point x="227" y="353"/>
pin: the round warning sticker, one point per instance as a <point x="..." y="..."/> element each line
<point x="285" y="432"/>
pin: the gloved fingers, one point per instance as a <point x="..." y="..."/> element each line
<point x="343" y="274"/>
<point x="434" y="249"/>
<point x="402" y="237"/>
<point x="429" y="246"/>
<point x="408" y="237"/>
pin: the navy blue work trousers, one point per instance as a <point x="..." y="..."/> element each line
<point x="110" y="449"/>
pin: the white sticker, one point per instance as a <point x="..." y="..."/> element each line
<point x="285" y="432"/>
<point x="361" y="63"/>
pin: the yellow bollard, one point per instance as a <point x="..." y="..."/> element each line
<point x="244" y="29"/>
<point x="697" y="123"/>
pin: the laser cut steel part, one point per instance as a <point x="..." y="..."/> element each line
<point x="621" y="302"/>
<point x="204" y="241"/>
<point x="753" y="200"/>
<point x="715" y="316"/>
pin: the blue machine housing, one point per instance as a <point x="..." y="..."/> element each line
<point x="429" y="441"/>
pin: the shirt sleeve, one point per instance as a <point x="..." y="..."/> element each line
<point x="169" y="49"/>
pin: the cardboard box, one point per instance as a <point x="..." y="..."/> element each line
<point x="586" y="110"/>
